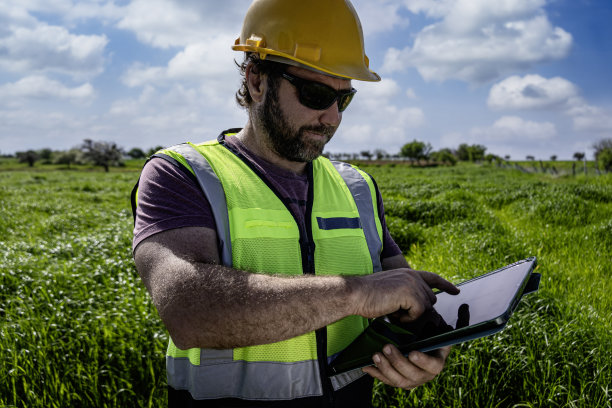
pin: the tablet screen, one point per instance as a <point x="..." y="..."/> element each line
<point x="476" y="310"/>
<point x="483" y="299"/>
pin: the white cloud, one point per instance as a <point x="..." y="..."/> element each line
<point x="410" y="117"/>
<point x="105" y="11"/>
<point x="203" y="31"/>
<point x="165" y="116"/>
<point x="13" y="15"/>
<point x="207" y="68"/>
<point x="168" y="23"/>
<point x="378" y="16"/>
<point x="537" y="92"/>
<point x="431" y="8"/>
<point x="531" y="92"/>
<point x="200" y="60"/>
<point x="173" y="114"/>
<point x="31" y="46"/>
<point x="349" y="136"/>
<point x="374" y="92"/>
<point x="41" y="88"/>
<point x="23" y="129"/>
<point x="170" y="101"/>
<point x="70" y="10"/>
<point x="594" y="119"/>
<point x="480" y="40"/>
<point x="138" y="75"/>
<point x="161" y="23"/>
<point x="46" y="48"/>
<point x="515" y="129"/>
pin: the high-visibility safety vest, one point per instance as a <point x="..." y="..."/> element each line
<point x="258" y="233"/>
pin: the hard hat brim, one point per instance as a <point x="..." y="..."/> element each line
<point x="349" y="72"/>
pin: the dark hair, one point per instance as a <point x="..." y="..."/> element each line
<point x="272" y="70"/>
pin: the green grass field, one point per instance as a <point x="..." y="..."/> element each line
<point x="77" y="327"/>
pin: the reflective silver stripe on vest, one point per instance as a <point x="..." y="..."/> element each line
<point x="248" y="380"/>
<point x="213" y="190"/>
<point x="360" y="190"/>
<point x="340" y="380"/>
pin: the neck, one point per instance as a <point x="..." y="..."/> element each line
<point x="255" y="141"/>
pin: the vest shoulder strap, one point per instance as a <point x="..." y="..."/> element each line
<point x="362" y="194"/>
<point x="213" y="190"/>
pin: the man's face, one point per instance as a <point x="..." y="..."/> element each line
<point x="295" y="132"/>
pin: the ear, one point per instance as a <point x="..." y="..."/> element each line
<point x="256" y="83"/>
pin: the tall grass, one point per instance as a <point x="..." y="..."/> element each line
<point x="460" y="222"/>
<point x="78" y="329"/>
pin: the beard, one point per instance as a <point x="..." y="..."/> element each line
<point x="283" y="139"/>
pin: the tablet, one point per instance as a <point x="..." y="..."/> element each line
<point x="483" y="307"/>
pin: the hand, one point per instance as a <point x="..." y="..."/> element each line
<point x="402" y="289"/>
<point x="392" y="368"/>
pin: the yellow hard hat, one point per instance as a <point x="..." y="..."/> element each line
<point x="324" y="35"/>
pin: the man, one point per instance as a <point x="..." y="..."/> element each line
<point x="258" y="253"/>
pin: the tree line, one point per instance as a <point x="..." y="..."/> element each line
<point x="418" y="152"/>
<point x="107" y="154"/>
<point x="98" y="153"/>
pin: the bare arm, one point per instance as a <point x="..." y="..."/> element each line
<point x="204" y="304"/>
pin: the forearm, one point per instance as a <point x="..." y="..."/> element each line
<point x="207" y="305"/>
<point x="213" y="306"/>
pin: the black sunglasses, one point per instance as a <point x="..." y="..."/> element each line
<point x="318" y="96"/>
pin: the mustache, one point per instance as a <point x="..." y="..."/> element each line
<point x="322" y="129"/>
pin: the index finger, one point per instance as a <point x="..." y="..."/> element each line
<point x="438" y="282"/>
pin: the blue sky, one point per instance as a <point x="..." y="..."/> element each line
<point x="522" y="77"/>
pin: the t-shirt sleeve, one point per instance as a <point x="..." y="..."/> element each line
<point x="390" y="248"/>
<point x="168" y="198"/>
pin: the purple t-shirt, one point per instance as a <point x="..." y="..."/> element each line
<point x="168" y="198"/>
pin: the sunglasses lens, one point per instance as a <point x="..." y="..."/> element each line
<point x="317" y="96"/>
<point x="344" y="100"/>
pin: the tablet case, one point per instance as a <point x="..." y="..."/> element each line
<point x="381" y="331"/>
